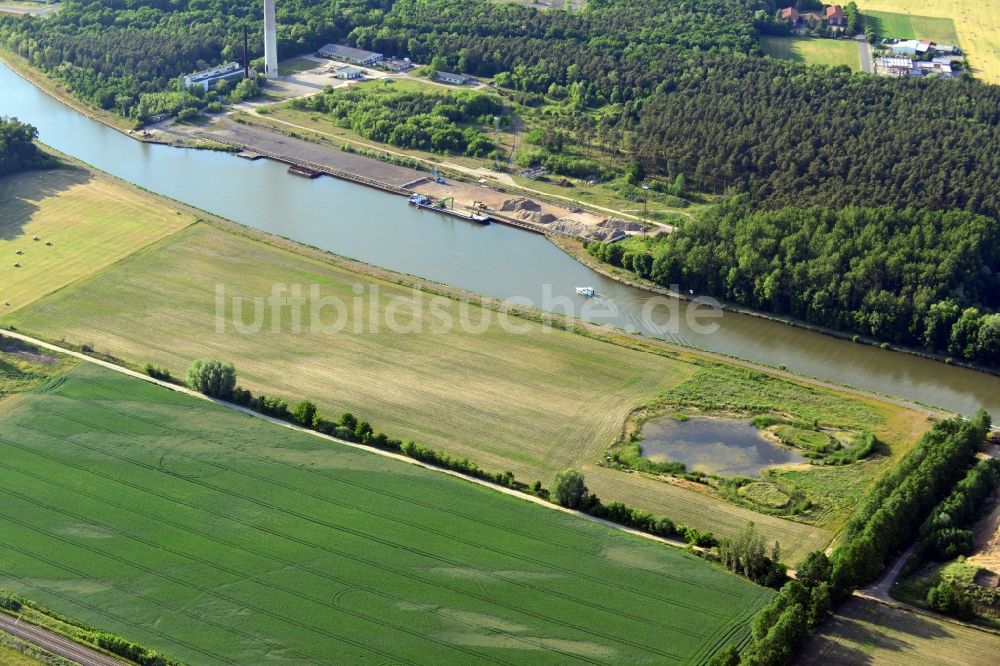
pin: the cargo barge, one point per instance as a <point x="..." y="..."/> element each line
<point x="441" y="206"/>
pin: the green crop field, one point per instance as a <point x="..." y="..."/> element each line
<point x="813" y="51"/>
<point x="220" y="538"/>
<point x="904" y="26"/>
<point x="866" y="632"/>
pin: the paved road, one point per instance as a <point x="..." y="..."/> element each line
<point x="865" y="51"/>
<point x="56" y="643"/>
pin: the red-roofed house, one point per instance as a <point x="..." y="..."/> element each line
<point x="835" y="17"/>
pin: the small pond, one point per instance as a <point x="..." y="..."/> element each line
<point x="716" y="446"/>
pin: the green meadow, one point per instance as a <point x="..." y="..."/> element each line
<point x="217" y="537"/>
<point x="905" y="26"/>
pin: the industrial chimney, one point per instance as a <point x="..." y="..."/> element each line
<point x="246" y="54"/>
<point x="270" y="41"/>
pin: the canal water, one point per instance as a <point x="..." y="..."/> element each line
<point x="496" y="260"/>
<point x="727" y="447"/>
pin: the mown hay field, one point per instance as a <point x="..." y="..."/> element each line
<point x="977" y="24"/>
<point x="867" y="632"/>
<point x="814" y="51"/>
<point x="91" y="222"/>
<point x="219" y="538"/>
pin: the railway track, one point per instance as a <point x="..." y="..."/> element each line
<point x="56" y="643"/>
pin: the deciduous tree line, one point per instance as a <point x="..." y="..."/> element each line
<point x="927" y="279"/>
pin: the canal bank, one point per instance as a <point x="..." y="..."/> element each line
<point x="574" y="247"/>
<point x="495" y="260"/>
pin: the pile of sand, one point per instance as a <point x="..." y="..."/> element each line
<point x="519" y="204"/>
<point x="572" y="227"/>
<point x="537" y="217"/>
<point x="623" y="225"/>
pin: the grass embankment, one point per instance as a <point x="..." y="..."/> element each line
<point x="16" y="652"/>
<point x="976" y="22"/>
<point x="208" y="535"/>
<point x="814" y="51"/>
<point x="867" y="632"/>
<point x="22" y="367"/>
<point x="318" y="126"/>
<point x="325" y="127"/>
<point x="83" y="222"/>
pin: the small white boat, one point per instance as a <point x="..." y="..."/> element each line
<point x="586" y="291"/>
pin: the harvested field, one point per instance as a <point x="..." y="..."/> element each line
<point x="532" y="400"/>
<point x="867" y="632"/>
<point x="987" y="541"/>
<point x="83" y="223"/>
<point x="218" y="538"/>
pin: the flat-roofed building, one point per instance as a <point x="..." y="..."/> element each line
<point x="350" y="54"/>
<point x="209" y="78"/>
<point x="455" y="79"/>
<point x="349" y="73"/>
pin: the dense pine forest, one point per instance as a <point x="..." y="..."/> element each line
<point x="18" y="151"/>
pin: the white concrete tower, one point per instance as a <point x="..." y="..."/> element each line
<point x="270" y="41"/>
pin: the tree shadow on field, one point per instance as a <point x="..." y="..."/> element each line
<point x="877" y="24"/>
<point x="852" y="640"/>
<point x="20" y="194"/>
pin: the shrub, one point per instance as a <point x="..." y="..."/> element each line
<point x="157" y="372"/>
<point x="241" y="396"/>
<point x="569" y="489"/>
<point x="213" y="378"/>
<point x="304" y="413"/>
<point x="728" y="656"/>
<point x="948" y="599"/>
<point x="270" y="406"/>
<point x="9" y="602"/>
